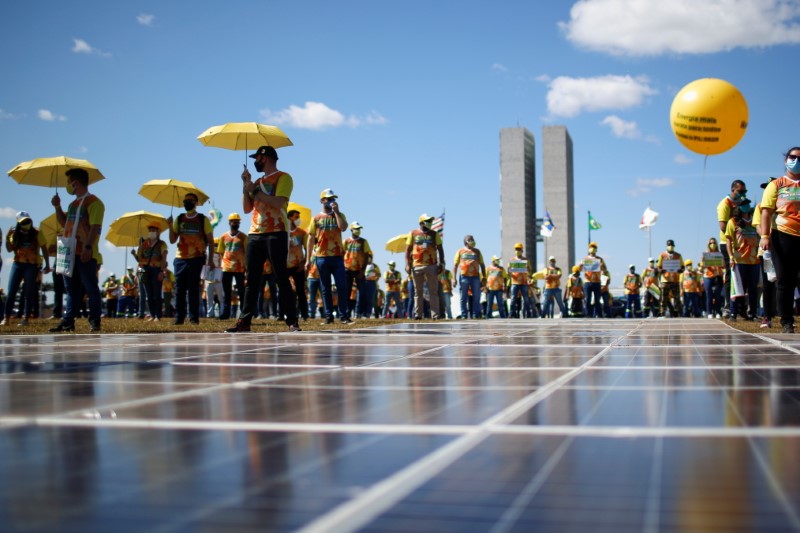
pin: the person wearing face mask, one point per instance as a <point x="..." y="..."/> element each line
<point x="691" y="285"/>
<point x="594" y="268"/>
<point x="231" y="248"/>
<point x="670" y="265"/>
<point x="357" y="254"/>
<point x="296" y="262"/>
<point x="573" y="292"/>
<point x="325" y="245"/>
<point x="712" y="282"/>
<point x="424" y="262"/>
<point x="782" y="198"/>
<point x="393" y="279"/>
<point x="724" y="212"/>
<point x="742" y="239"/>
<point x="267" y="199"/>
<point x="83" y="220"/>
<point x="28" y="245"/>
<point x="552" y="289"/>
<point x="496" y="281"/>
<point x="521" y="272"/>
<point x="470" y="269"/>
<point x="152" y="258"/>
<point x="195" y="237"/>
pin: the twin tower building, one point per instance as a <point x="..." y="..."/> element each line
<point x="518" y="215"/>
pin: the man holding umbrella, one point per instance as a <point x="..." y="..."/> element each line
<point x="83" y="220"/>
<point x="267" y="199"/>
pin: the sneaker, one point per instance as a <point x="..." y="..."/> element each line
<point x="711" y="316"/>
<point x="239" y="327"/>
<point x="178" y="322"/>
<point x="62" y="327"/>
<point x="787" y="328"/>
<point x="156" y="319"/>
<point x="328" y="320"/>
<point x="94" y="327"/>
<point x="294" y="327"/>
<point x="346" y="320"/>
<point x="23" y="322"/>
<point x="765" y="323"/>
<point x="3" y="322"/>
<point x="194" y="321"/>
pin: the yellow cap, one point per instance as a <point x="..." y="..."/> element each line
<point x="234" y="216"/>
<point x="687" y="262"/>
<point x="327" y="193"/>
<point x="576" y="268"/>
<point x="424" y="217"/>
<point x="518" y="246"/>
<point x="591" y="244"/>
<point x="356" y="225"/>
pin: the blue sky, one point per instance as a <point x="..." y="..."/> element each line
<point x="398" y="106"/>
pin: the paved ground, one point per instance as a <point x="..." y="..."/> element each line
<point x="519" y="425"/>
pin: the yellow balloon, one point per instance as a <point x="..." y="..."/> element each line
<point x="709" y="116"/>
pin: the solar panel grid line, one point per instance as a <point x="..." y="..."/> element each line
<point x="362" y="509"/>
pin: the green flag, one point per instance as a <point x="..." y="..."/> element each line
<point x="593" y="224"/>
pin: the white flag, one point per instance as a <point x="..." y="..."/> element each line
<point x="648" y="219"/>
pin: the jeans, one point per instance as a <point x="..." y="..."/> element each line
<point x="549" y="296"/>
<point x="591" y="291"/>
<point x="84" y="277"/>
<point x="446" y="297"/>
<point x="313" y="291"/>
<point x="126" y="306"/>
<point x="366" y="298"/>
<point x="713" y="288"/>
<point x="767" y="294"/>
<point x="143" y="296"/>
<point x="333" y="267"/>
<point x="691" y="304"/>
<point x="187" y="282"/>
<point x="522" y="290"/>
<point x="393" y="296"/>
<point x="227" y="285"/>
<point x="20" y="272"/>
<point x="214" y="289"/>
<point x="152" y="288"/>
<point x="298" y="275"/>
<point x="275" y="247"/>
<point x="491" y="297"/>
<point x="465" y="284"/>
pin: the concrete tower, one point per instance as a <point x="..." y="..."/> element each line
<point x="558" y="194"/>
<point x="517" y="192"/>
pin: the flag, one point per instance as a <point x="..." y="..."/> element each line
<point x="593" y="224"/>
<point x="648" y="219"/>
<point x="547" y="225"/>
<point x="438" y="225"/>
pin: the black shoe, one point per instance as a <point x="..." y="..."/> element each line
<point x="178" y="322"/>
<point x="329" y="320"/>
<point x="194" y="321"/>
<point x="294" y="327"/>
<point x="62" y="327"/>
<point x="239" y="327"/>
<point x="787" y="328"/>
<point x="346" y="320"/>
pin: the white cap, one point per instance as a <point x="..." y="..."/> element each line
<point x="22" y="215"/>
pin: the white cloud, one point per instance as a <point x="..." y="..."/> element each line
<point x="8" y="212"/>
<point x="318" y="116"/>
<point x="622" y="128"/>
<point x="82" y="47"/>
<point x="49" y="116"/>
<point x="146" y="19"/>
<point x="682" y="159"/>
<point x="644" y="186"/>
<point x="5" y="115"/>
<point x="544" y="78"/>
<point x="498" y="67"/>
<point x="568" y="97"/>
<point x="653" y="27"/>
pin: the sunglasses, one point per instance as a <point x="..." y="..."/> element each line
<point x="793" y="157"/>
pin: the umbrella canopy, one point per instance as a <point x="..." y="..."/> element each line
<point x="305" y="213"/>
<point x="171" y="192"/>
<point x="50" y="228"/>
<point x="128" y="229"/>
<point x="51" y="171"/>
<point x="244" y="136"/>
<point x="397" y="244"/>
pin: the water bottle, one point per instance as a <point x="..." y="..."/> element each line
<point x="769" y="266"/>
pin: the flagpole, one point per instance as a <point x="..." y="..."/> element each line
<point x="589" y="218"/>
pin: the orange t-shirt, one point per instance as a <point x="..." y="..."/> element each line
<point x="266" y="218"/>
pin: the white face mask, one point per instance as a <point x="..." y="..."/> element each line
<point x="152" y="235"/>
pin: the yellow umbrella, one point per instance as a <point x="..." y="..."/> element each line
<point x="244" y="136"/>
<point x="51" y="171"/>
<point x="171" y="192"/>
<point x="305" y="213"/>
<point x="397" y="244"/>
<point x="50" y="228"/>
<point x="128" y="229"/>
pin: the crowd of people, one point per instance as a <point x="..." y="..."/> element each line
<point x="279" y="269"/>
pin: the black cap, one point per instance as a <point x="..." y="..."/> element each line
<point x="670" y="242"/>
<point x="268" y="151"/>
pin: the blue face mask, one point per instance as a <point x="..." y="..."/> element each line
<point x="793" y="166"/>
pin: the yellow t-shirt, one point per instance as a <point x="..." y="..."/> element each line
<point x="266" y="218"/>
<point x="783" y="195"/>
